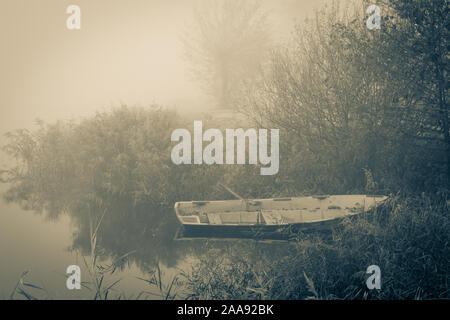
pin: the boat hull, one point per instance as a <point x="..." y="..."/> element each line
<point x="255" y="232"/>
<point x="251" y="218"/>
<point x="205" y="228"/>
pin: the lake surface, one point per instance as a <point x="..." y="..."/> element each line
<point x="30" y="241"/>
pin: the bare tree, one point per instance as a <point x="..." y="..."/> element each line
<point x="352" y="100"/>
<point x="225" y="45"/>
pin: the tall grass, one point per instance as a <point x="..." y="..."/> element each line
<point x="22" y="288"/>
<point x="165" y="290"/>
<point x="99" y="274"/>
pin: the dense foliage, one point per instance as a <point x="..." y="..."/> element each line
<point x="353" y="101"/>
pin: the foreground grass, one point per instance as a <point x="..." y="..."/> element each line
<point x="408" y="238"/>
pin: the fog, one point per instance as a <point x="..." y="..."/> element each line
<point x="127" y="52"/>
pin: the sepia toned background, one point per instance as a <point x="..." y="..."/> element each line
<point x="85" y="123"/>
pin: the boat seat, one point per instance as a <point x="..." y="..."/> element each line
<point x="237" y="217"/>
<point x="214" y="218"/>
<point x="272" y="217"/>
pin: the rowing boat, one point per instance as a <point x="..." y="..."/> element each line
<point x="274" y="214"/>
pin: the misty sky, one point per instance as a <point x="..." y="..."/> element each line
<point x="127" y="51"/>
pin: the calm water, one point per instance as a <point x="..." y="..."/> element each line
<point x="30" y="241"/>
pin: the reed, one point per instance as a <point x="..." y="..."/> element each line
<point x="164" y="290"/>
<point x="22" y="288"/>
<point x="99" y="283"/>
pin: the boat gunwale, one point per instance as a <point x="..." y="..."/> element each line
<point x="260" y="201"/>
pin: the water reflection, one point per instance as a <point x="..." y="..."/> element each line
<point x="150" y="235"/>
<point x="144" y="231"/>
